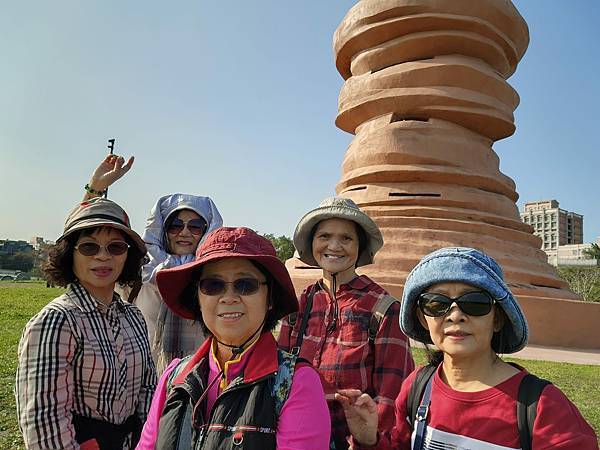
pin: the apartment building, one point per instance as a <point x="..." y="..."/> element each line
<point x="555" y="226"/>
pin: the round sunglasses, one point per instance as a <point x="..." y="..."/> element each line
<point x="114" y="248"/>
<point x="196" y="226"/>
<point x="241" y="286"/>
<point x="477" y="303"/>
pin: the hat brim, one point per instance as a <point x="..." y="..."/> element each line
<point x="462" y="268"/>
<point x="172" y="282"/>
<point x="98" y="222"/>
<point x="302" y="235"/>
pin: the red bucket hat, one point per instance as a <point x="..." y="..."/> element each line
<point x="223" y="243"/>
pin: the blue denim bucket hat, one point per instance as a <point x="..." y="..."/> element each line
<point x="470" y="266"/>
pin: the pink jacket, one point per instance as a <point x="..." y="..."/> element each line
<point x="304" y="420"/>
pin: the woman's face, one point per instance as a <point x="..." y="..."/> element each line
<point x="458" y="334"/>
<point x="183" y="241"/>
<point x="230" y="315"/>
<point x="98" y="273"/>
<point x="335" y="245"/>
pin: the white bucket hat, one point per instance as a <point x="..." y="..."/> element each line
<point x="337" y="208"/>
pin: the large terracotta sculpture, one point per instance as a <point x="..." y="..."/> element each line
<point x="426" y="95"/>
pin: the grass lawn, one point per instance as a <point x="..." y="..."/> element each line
<point x="20" y="301"/>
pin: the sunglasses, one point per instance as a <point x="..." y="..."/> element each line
<point x="115" y="248"/>
<point x="241" y="286"/>
<point x="472" y="303"/>
<point x="196" y="226"/>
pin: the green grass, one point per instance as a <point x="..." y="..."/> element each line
<point x="20" y="301"/>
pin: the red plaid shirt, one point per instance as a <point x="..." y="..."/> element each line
<point x="344" y="357"/>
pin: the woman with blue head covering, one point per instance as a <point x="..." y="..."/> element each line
<point x="176" y="225"/>
<point x="467" y="397"/>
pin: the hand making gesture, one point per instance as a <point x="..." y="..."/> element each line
<point x="108" y="171"/>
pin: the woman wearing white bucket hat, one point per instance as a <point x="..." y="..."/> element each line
<point x="347" y="325"/>
<point x="468" y="397"/>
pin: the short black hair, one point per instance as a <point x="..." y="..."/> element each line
<point x="59" y="266"/>
<point x="190" y="302"/>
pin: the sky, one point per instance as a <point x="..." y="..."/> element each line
<point x="237" y="101"/>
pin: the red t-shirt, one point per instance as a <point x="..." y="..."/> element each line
<point x="487" y="420"/>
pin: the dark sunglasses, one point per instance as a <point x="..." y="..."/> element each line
<point x="472" y="303"/>
<point x="241" y="286"/>
<point x="196" y="226"/>
<point x="114" y="248"/>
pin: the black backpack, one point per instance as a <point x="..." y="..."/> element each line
<point x="530" y="390"/>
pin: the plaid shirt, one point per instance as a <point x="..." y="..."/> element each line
<point x="344" y="357"/>
<point x="77" y="356"/>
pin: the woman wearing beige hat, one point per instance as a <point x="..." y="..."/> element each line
<point x="347" y="325"/>
<point x="85" y="376"/>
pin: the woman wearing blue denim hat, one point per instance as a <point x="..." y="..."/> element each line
<point x="175" y="227"/>
<point x="468" y="397"/>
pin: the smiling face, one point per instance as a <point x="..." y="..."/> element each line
<point x="99" y="273"/>
<point x="184" y="242"/>
<point x="335" y="247"/>
<point x="231" y="317"/>
<point x="457" y="334"/>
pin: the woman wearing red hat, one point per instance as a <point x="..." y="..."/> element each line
<point x="238" y="389"/>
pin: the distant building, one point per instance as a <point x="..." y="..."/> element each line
<point x="572" y="255"/>
<point x="8" y="247"/>
<point x="555" y="226"/>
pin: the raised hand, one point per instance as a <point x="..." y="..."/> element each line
<point x="361" y="415"/>
<point x="110" y="170"/>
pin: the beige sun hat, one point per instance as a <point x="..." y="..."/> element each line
<point x="100" y="212"/>
<point x="337" y="208"/>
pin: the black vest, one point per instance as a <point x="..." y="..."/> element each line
<point x="243" y="416"/>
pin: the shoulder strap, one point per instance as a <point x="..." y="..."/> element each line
<point x="422" y="413"/>
<point x="305" y="316"/>
<point x="378" y="313"/>
<point x="530" y="389"/>
<point x="416" y="391"/>
<point x="282" y="384"/>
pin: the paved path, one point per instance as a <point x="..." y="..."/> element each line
<point x="569" y="355"/>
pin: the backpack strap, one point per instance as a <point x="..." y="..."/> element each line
<point x="422" y="413"/>
<point x="416" y="391"/>
<point x="530" y="389"/>
<point x="305" y="316"/>
<point x="282" y="384"/>
<point x="378" y="312"/>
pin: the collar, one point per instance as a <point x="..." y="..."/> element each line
<point x="260" y="362"/>
<point x="86" y="303"/>
<point x="358" y="283"/>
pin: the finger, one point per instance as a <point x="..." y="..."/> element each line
<point x="129" y="164"/>
<point x="350" y="392"/>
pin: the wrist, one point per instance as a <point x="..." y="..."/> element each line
<point x="367" y="442"/>
<point x="92" y="191"/>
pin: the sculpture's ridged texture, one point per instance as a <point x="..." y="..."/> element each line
<point x="426" y="95"/>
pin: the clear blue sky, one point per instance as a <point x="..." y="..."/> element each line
<point x="237" y="100"/>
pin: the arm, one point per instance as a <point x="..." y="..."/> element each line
<point x="44" y="390"/>
<point x="108" y="171"/>
<point x="150" y="430"/>
<point x="560" y="425"/>
<point x="399" y="438"/>
<point x="304" y="422"/>
<point x="148" y="379"/>
<point x="393" y="362"/>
